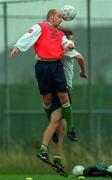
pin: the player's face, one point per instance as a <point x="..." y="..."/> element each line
<point x="57" y="18"/>
<point x="70" y="37"/>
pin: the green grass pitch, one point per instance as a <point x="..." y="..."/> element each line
<point x="44" y="177"/>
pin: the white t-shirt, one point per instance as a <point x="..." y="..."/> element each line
<point x="68" y="62"/>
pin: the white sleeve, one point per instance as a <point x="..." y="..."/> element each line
<point x="71" y="53"/>
<point x="29" y="38"/>
<point x="64" y="41"/>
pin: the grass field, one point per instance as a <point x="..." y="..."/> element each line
<point x="43" y="177"/>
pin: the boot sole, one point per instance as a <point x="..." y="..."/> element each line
<point x="60" y="171"/>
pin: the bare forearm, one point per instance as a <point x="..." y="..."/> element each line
<point x="82" y="65"/>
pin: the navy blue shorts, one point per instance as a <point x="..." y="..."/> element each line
<point x="56" y="102"/>
<point x="50" y="77"/>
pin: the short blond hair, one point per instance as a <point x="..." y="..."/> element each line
<point x="51" y="12"/>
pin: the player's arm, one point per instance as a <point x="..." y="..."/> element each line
<point x="77" y="56"/>
<point x="81" y="62"/>
<point x="27" y="40"/>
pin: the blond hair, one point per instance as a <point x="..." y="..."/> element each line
<point x="51" y="12"/>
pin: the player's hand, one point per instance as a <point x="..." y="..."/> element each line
<point x="14" y="52"/>
<point x="83" y="74"/>
<point x="71" y="46"/>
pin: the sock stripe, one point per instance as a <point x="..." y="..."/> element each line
<point x="46" y="106"/>
<point x="57" y="156"/>
<point x="44" y="146"/>
<point x="66" y="104"/>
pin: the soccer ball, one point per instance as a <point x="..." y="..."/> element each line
<point x="109" y="168"/>
<point x="78" y="170"/>
<point x="68" y="12"/>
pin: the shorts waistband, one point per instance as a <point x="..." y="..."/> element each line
<point x="48" y="61"/>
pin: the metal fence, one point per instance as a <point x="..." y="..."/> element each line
<point x="92" y="98"/>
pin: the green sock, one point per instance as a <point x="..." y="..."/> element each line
<point x="43" y="148"/>
<point x="57" y="158"/>
<point x="67" y="113"/>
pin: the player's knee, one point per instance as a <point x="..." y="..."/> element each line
<point x="55" y="124"/>
<point x="63" y="97"/>
<point x="47" y="99"/>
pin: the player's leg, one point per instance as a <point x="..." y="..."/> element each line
<point x="45" y="83"/>
<point x="55" y="105"/>
<point x="61" y="133"/>
<point x="67" y="114"/>
<point x="48" y="133"/>
<point x="62" y="92"/>
<point x="57" y="163"/>
<point x="44" y="75"/>
<point x="52" y="127"/>
<point x="60" y="130"/>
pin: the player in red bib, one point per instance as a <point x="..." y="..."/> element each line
<point x="49" y="45"/>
